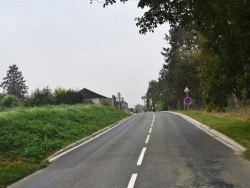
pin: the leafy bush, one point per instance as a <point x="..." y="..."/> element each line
<point x="59" y="96"/>
<point x="10" y="101"/>
<point x="40" y="97"/>
<point x="70" y="96"/>
<point x="105" y="102"/>
<point x="74" y="97"/>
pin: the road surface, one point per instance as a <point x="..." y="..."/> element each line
<point x="148" y="150"/>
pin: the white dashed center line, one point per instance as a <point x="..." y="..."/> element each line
<point x="150" y="130"/>
<point x="147" y="139"/>
<point x="132" y="181"/>
<point x="139" y="162"/>
<point x="141" y="156"/>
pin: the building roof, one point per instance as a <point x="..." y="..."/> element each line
<point x="87" y="94"/>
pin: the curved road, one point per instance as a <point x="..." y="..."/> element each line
<point x="148" y="150"/>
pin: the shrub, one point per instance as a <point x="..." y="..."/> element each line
<point x="59" y="96"/>
<point x="10" y="101"/>
<point x="105" y="102"/>
<point x="70" y="96"/>
<point x="40" y="97"/>
<point x="74" y="97"/>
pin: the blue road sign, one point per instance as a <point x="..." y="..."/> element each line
<point x="188" y="101"/>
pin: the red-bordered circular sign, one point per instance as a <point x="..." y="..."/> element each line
<point x="188" y="101"/>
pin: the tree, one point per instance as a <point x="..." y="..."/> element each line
<point x="10" y="101"/>
<point x="59" y="96"/>
<point x="70" y="96"/>
<point x="152" y="94"/>
<point x="14" y="83"/>
<point x="40" y="97"/>
<point x="73" y="97"/>
<point x="226" y="27"/>
<point x="180" y="68"/>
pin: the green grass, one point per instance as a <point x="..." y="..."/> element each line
<point x="232" y="125"/>
<point x="29" y="135"/>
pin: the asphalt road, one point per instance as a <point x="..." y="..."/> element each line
<point x="149" y="150"/>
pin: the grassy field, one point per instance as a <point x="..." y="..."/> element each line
<point x="29" y="135"/>
<point x="235" y="123"/>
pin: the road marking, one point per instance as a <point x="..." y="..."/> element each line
<point x="132" y="181"/>
<point x="84" y="141"/>
<point x="147" y="139"/>
<point x="152" y="124"/>
<point x="153" y="120"/>
<point x="150" y="130"/>
<point x="141" y="156"/>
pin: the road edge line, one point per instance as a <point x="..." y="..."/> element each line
<point x="212" y="132"/>
<point x="85" y="140"/>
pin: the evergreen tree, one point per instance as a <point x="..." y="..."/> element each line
<point x="14" y="83"/>
<point x="181" y="67"/>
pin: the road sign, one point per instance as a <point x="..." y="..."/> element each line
<point x="186" y="90"/>
<point x="188" y="100"/>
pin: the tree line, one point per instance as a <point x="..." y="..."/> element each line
<point x="209" y="49"/>
<point x="16" y="92"/>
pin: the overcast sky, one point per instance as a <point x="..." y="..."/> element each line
<point x="75" y="44"/>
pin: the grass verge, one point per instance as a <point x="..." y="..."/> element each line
<point x="230" y="124"/>
<point x="28" y="136"/>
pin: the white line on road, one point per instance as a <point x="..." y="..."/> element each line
<point x="150" y="130"/>
<point x="132" y="181"/>
<point x="141" y="156"/>
<point x="147" y="139"/>
<point x="84" y="141"/>
<point x="152" y="124"/>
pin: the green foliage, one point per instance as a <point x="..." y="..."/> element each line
<point x="225" y="27"/>
<point x="40" y="97"/>
<point x="59" y="96"/>
<point x="32" y="134"/>
<point x="14" y="82"/>
<point x="152" y="94"/>
<point x="180" y="70"/>
<point x="10" y="101"/>
<point x="247" y="154"/>
<point x="12" y="173"/>
<point x="105" y="102"/>
<point x="181" y="67"/>
<point x="73" y="97"/>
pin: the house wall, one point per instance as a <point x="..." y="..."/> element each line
<point x="99" y="101"/>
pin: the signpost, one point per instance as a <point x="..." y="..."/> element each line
<point x="187" y="100"/>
